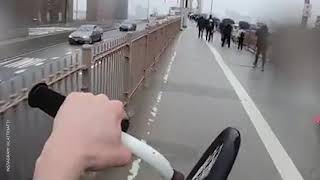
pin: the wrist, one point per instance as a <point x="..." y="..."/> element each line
<point x="59" y="161"/>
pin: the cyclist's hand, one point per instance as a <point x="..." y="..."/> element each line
<point x="86" y="136"/>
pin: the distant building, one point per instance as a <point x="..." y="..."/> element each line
<point x="141" y="12"/>
<point x="17" y="15"/>
<point x="105" y="10"/>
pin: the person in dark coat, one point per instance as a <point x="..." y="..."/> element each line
<point x="241" y="39"/>
<point x="262" y="45"/>
<point x="221" y="28"/>
<point x="210" y="28"/>
<point x="227" y="31"/>
<point x="201" y="26"/>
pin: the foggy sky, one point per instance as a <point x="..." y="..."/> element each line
<point x="277" y="10"/>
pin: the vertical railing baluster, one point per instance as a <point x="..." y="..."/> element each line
<point x="24" y="89"/>
<point x="104" y="75"/>
<point x="101" y="75"/>
<point x="13" y="91"/>
<point x="51" y="75"/>
<point x="58" y="74"/>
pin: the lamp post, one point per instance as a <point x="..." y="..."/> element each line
<point x="148" y="14"/>
<point x="211" y="7"/>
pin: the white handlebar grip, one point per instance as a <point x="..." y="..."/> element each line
<point x="149" y="155"/>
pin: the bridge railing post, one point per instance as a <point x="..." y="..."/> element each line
<point x="87" y="56"/>
<point x="127" y="83"/>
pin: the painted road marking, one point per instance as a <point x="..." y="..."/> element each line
<point x="278" y="154"/>
<point x="154" y="110"/>
<point x="39" y="64"/>
<point x="20" y="71"/>
<point x="18" y="63"/>
<point x="34" y="62"/>
<point x="134" y="169"/>
<point x="68" y="53"/>
<point x="54" y="58"/>
<point x="25" y="62"/>
<point x="6" y="62"/>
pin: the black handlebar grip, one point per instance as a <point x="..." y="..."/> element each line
<point x="45" y="99"/>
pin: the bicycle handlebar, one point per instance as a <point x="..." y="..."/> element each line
<point x="50" y="101"/>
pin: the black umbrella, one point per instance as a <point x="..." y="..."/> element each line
<point x="228" y="21"/>
<point x="244" y="25"/>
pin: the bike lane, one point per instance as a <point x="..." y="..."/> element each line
<point x="183" y="107"/>
<point x="288" y="102"/>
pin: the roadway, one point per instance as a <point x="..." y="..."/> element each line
<point x="15" y="66"/>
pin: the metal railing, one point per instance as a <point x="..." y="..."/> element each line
<point x="116" y="68"/>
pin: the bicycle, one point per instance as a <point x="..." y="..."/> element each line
<point x="215" y="164"/>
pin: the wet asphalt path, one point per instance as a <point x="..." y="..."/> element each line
<point x="197" y="102"/>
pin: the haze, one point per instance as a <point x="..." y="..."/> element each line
<point x="275" y="10"/>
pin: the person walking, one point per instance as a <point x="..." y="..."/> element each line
<point x="241" y="39"/>
<point x="209" y="28"/>
<point x="221" y="29"/>
<point x="227" y="31"/>
<point x="262" y="45"/>
<point x="201" y="26"/>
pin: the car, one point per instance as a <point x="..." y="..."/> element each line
<point x="128" y="26"/>
<point x="86" y="34"/>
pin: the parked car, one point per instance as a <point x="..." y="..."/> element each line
<point x="86" y="34"/>
<point x="128" y="26"/>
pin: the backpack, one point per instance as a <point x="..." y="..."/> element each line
<point x="211" y="23"/>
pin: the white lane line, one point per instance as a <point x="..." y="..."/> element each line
<point x="153" y="114"/>
<point x="134" y="169"/>
<point x="68" y="53"/>
<point x="278" y="154"/>
<point x="155" y="109"/>
<point x="39" y="64"/>
<point x="20" y="71"/>
<point x="135" y="166"/>
<point x="34" y="62"/>
<point x="6" y="62"/>
<point x="25" y="62"/>
<point x="159" y="97"/>
<point x="166" y="76"/>
<point x="18" y="63"/>
<point x="54" y="58"/>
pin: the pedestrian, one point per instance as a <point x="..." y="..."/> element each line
<point x="227" y="31"/>
<point x="209" y="28"/>
<point x="201" y="26"/>
<point x="241" y="39"/>
<point x="262" y="45"/>
<point x="221" y="29"/>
